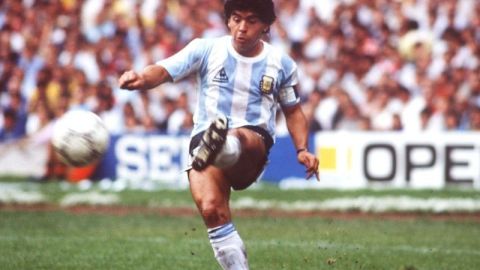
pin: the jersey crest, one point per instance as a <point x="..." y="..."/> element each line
<point x="266" y="84"/>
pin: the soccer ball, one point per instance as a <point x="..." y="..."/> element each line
<point x="80" y="138"/>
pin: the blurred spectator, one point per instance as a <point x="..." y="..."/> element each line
<point x="148" y="124"/>
<point x="131" y="122"/>
<point x="452" y="121"/>
<point x="309" y="108"/>
<point x="169" y="107"/>
<point x="48" y="90"/>
<point x="474" y="123"/>
<point x="10" y="131"/>
<point x="396" y="122"/>
<point x="39" y="118"/>
<point x="177" y="122"/>
<point x="441" y="106"/>
<point x="347" y="116"/>
<point x="106" y="107"/>
<point x="364" y="123"/>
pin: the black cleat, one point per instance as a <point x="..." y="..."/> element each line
<point x="212" y="142"/>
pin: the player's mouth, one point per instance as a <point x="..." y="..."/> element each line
<point x="241" y="39"/>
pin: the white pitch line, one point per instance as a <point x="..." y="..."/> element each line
<point x="366" y="204"/>
<point x="91" y="198"/>
<point x="14" y="194"/>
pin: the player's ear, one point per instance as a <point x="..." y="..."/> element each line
<point x="227" y="23"/>
<point x="266" y="30"/>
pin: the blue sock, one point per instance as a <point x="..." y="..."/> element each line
<point x="221" y="232"/>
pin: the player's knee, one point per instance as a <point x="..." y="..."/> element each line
<point x="212" y="212"/>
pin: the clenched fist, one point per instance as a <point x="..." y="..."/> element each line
<point x="131" y="80"/>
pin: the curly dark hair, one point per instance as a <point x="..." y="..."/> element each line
<point x="264" y="9"/>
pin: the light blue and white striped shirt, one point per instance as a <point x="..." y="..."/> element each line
<point x="245" y="89"/>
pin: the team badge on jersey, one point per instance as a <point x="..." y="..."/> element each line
<point x="266" y="84"/>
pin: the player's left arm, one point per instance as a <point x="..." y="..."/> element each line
<point x="298" y="128"/>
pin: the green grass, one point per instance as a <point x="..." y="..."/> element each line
<point x="62" y="240"/>
<point x="148" y="240"/>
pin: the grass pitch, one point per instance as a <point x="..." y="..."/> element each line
<point x="61" y="238"/>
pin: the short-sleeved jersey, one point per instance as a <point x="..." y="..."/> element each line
<point x="245" y="89"/>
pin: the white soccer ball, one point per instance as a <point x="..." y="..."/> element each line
<point x="80" y="138"/>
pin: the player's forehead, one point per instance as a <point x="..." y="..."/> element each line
<point x="245" y="14"/>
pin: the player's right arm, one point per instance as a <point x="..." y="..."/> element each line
<point x="150" y="77"/>
<point x="170" y="69"/>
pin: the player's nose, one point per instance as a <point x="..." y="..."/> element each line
<point x="242" y="26"/>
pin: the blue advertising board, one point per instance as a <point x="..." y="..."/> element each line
<point x="163" y="158"/>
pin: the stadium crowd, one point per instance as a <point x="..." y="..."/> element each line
<point x="410" y="65"/>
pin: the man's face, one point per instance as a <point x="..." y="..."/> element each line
<point x="246" y="29"/>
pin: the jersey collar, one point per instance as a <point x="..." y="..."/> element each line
<point x="242" y="58"/>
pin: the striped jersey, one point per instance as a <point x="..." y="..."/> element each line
<point x="245" y="89"/>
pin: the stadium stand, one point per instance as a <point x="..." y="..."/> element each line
<point x="364" y="64"/>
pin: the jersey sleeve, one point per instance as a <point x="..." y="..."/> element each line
<point x="287" y="94"/>
<point x="185" y="61"/>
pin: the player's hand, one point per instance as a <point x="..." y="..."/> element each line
<point x="310" y="161"/>
<point x="131" y="80"/>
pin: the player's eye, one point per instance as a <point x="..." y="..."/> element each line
<point x="252" y="20"/>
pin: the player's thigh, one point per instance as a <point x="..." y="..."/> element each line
<point x="251" y="162"/>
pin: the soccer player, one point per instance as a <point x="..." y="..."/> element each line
<point x="242" y="79"/>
